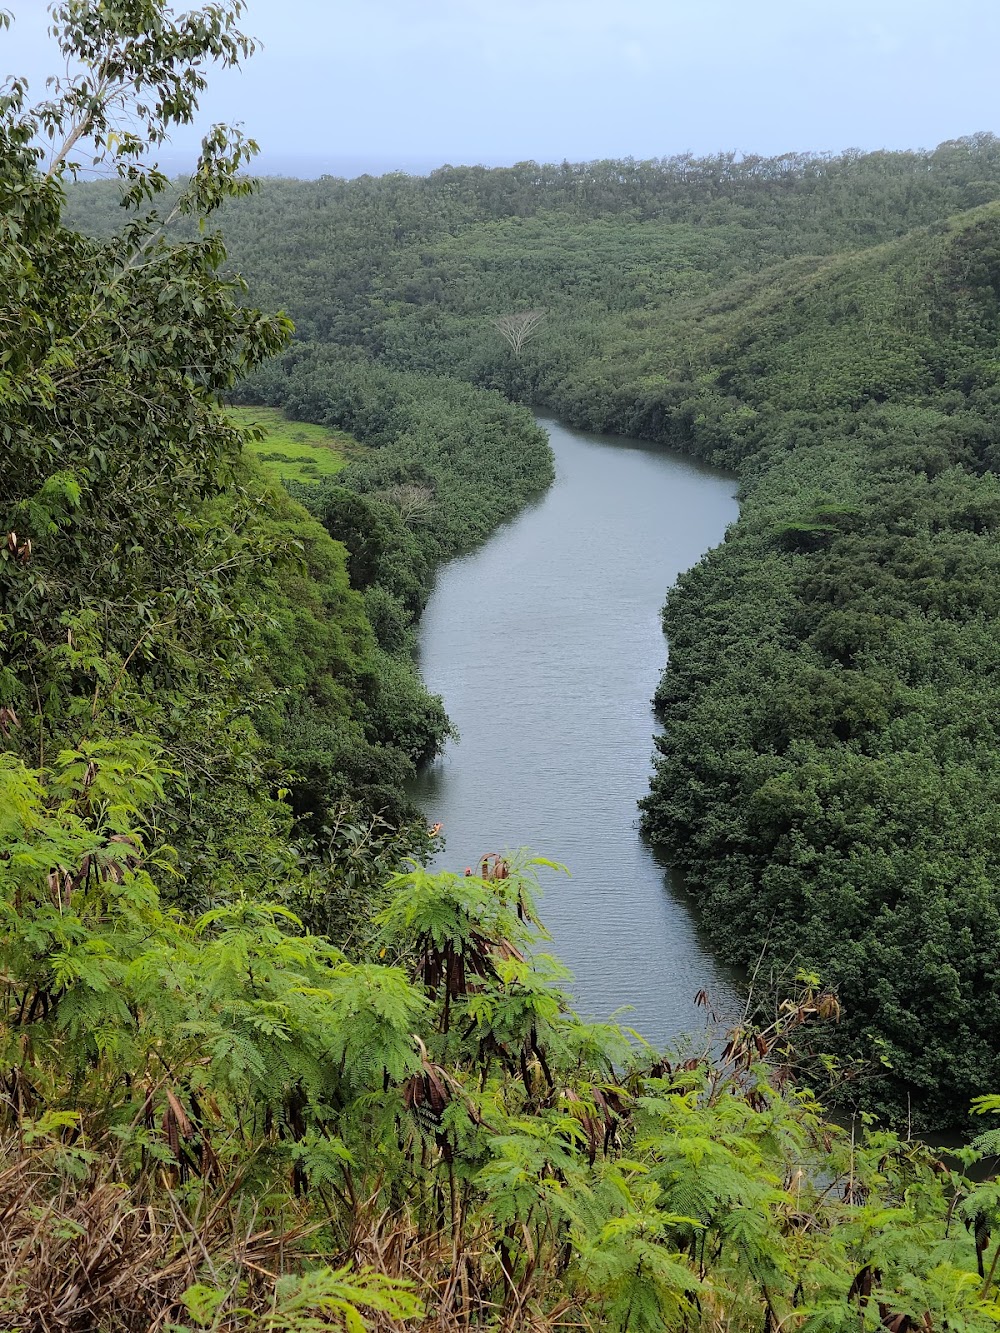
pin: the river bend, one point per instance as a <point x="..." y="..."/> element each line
<point x="546" y="646"/>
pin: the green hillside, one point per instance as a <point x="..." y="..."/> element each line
<point x="827" y="326"/>
<point x="829" y="770"/>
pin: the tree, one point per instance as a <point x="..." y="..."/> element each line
<point x="414" y="501"/>
<point x="129" y="535"/>
<point x="519" y="329"/>
<point x="128" y="613"/>
<point x="133" y="70"/>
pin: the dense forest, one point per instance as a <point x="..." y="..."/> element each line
<point x="256" y="1071"/>
<point x="828" y="327"/>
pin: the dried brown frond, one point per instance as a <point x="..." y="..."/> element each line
<point x="78" y="1255"/>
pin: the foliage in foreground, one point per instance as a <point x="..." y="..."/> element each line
<point x="219" y="1121"/>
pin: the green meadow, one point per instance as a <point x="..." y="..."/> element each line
<point x="296" y="450"/>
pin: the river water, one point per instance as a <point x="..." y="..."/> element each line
<point x="546" y="646"/>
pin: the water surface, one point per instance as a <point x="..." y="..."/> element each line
<point x="546" y="645"/>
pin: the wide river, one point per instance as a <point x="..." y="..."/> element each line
<point x="546" y="646"/>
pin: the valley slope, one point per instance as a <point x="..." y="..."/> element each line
<point x="827" y="326"/>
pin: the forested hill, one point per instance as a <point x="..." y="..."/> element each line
<point x="411" y="270"/>
<point x="827" y="325"/>
<point x="830" y="772"/>
<point x="829" y="776"/>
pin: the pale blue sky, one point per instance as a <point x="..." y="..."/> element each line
<point x="413" y="83"/>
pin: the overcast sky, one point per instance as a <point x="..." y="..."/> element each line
<point x="347" y="85"/>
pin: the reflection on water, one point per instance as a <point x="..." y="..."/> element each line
<point x="546" y="645"/>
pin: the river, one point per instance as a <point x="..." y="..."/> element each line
<point x="546" y="646"/>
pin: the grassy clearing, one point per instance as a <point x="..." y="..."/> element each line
<point x="296" y="450"/>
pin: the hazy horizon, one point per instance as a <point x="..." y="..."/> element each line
<point x="344" y="89"/>
<point x="296" y="166"/>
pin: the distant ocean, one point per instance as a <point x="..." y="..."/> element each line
<point x="310" y="166"/>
